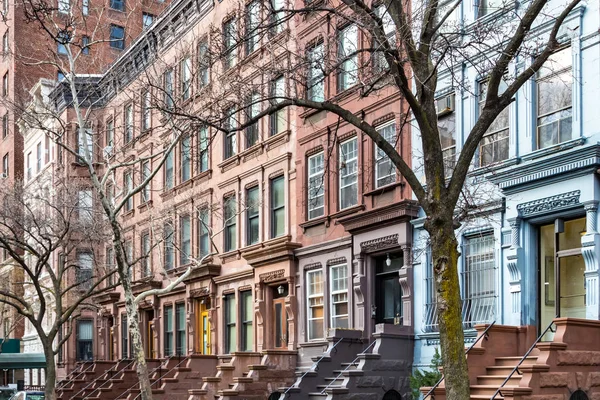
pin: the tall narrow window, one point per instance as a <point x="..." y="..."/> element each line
<point x="38" y="152"/>
<point x="277" y="119"/>
<point x="145" y="250"/>
<point x="85" y="335"/>
<point x="315" y="313"/>
<point x="169" y="246"/>
<point x="230" y="136"/>
<point x="146" y="172"/>
<point x="252" y="215"/>
<point x="5" y="125"/>
<point x="128" y="123"/>
<point x="278" y="207"/>
<point x="230" y="215"/>
<point x="247" y="312"/>
<point x="316" y="82"/>
<point x="479" y="280"/>
<point x="85" y="264"/>
<point x="146" y="110"/>
<point x="431" y="318"/>
<point x="168" y="89"/>
<point x="203" y="231"/>
<point x="229" y="43"/>
<point x="186" y="158"/>
<point x="64" y="6"/>
<point x="85" y="206"/>
<point x="338" y="276"/>
<point x="348" y="57"/>
<point x="385" y="171"/>
<point x="124" y="337"/>
<point x="447" y="128"/>
<point x="110" y="135"/>
<point x="170" y="171"/>
<point x="554" y="100"/>
<point x="230" y="320"/>
<point x="203" y="141"/>
<point x="110" y="266"/>
<point x="493" y="147"/>
<point x="348" y="173"/>
<point x="128" y="178"/>
<point x="85" y="142"/>
<point x="180" y="329"/>
<point x="277" y="16"/>
<point x="252" y="24"/>
<point x="63" y="38"/>
<point x="85" y="7"/>
<point x="185" y="78"/>
<point x="252" y="111"/>
<point x="5" y="43"/>
<point x="203" y="63"/>
<point x="5" y="85"/>
<point x="5" y="166"/>
<point x="117" y="37"/>
<point x="29" y="172"/>
<point x="168" y="323"/>
<point x="380" y="63"/>
<point x="316" y="186"/>
<point x="85" y="45"/>
<point x="185" y="239"/>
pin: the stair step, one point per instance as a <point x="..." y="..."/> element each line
<point x="512" y="361"/>
<point x="257" y="367"/>
<point x="487" y="390"/>
<point x="498" y="380"/>
<point x="499" y="370"/>
<point x="243" y="379"/>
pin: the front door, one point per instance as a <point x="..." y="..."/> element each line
<point x="150" y="334"/>
<point x="562" y="270"/>
<point x="280" y="324"/>
<point x="388" y="294"/>
<point x="202" y="327"/>
<point x="111" y="338"/>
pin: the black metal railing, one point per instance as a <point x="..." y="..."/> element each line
<point x="75" y="375"/>
<point x="349" y="365"/>
<point x="106" y="373"/>
<point x="484" y="335"/>
<point x="516" y="368"/>
<point x="158" y="380"/>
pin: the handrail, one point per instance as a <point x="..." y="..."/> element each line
<point x="165" y="361"/>
<point x="483" y="335"/>
<point x="94" y="381"/>
<point x="312" y="368"/>
<point x="516" y="368"/>
<point x="67" y="380"/>
<point x="159" y="379"/>
<point x="349" y="365"/>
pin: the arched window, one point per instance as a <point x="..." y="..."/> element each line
<point x="578" y="395"/>
<point x="392" y="395"/>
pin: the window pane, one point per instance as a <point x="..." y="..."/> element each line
<point x="316" y="186"/>
<point x="348" y="174"/>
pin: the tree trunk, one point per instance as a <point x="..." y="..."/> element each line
<point x="444" y="249"/>
<point x="50" y="390"/>
<point x="138" y="349"/>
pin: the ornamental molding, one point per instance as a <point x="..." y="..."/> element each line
<point x="379" y="243"/>
<point x="272" y="276"/>
<point x="309" y="267"/>
<point x="203" y="291"/>
<point x="337" y="261"/>
<point x="549" y="204"/>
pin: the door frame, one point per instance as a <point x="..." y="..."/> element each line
<point x="284" y="324"/>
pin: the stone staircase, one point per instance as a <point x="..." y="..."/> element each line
<point x="356" y="371"/>
<point x="81" y="376"/>
<point x="554" y="370"/>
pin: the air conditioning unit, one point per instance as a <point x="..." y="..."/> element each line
<point x="445" y="105"/>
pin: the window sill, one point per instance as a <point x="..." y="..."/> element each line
<point x="277" y="139"/>
<point x="201" y="176"/>
<point x="230" y="256"/>
<point x="383" y="189"/>
<point x="183" y="186"/>
<point x="128" y="214"/>
<point x="308" y="112"/>
<point x="167" y="193"/>
<point x="348" y="211"/>
<point x="493" y="167"/>
<point x="229" y="163"/>
<point x="145" y="205"/>
<point x="553" y="149"/>
<point x="145" y="134"/>
<point x="344" y="94"/>
<point x="314" y="222"/>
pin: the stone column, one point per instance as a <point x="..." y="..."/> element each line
<point x="513" y="255"/>
<point x="590" y="245"/>
<point x="406" y="280"/>
<point x="358" y="285"/>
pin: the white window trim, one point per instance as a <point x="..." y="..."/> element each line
<point x="340" y="172"/>
<point x="332" y="293"/>
<point x="384" y="156"/>
<point x="320" y="174"/>
<point x="320" y="335"/>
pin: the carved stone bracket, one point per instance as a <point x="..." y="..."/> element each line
<point x="512" y="263"/>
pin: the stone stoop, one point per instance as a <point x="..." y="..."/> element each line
<point x="311" y="381"/>
<point x="228" y="367"/>
<point x="116" y="383"/>
<point x="183" y="376"/>
<point x="82" y="377"/>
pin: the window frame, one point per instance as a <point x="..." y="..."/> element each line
<point x="342" y="176"/>
<point x="311" y="336"/>
<point x="185" y="239"/>
<point x="252" y="215"/>
<point x="168" y="246"/>
<point x="276" y="208"/>
<point x="146" y="254"/>
<point x="343" y="75"/>
<point x="230" y="140"/>
<point x="380" y="157"/>
<point x="146" y="192"/>
<point x="203" y="231"/>
<point x="230" y="323"/>
<point x="185" y="78"/>
<point x="169" y="174"/>
<point x="333" y="293"/>
<point x="128" y="120"/>
<point x="492" y="133"/>
<point x="128" y="184"/>
<point x="203" y="149"/>
<point x="315" y="55"/>
<point x="117" y="5"/>
<point x="90" y="342"/>
<point x="311" y="177"/>
<point x="168" y="329"/>
<point x="278" y="117"/>
<point x="230" y="223"/>
<point x="180" y="334"/>
<point x="229" y="43"/>
<point x="246" y="310"/>
<point x="117" y="42"/>
<point x="146" y="110"/>
<point x="185" y="159"/>
<point x="252" y="40"/>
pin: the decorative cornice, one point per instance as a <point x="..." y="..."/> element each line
<point x="272" y="251"/>
<point x="203" y="291"/>
<point x="107" y="298"/>
<point x="204" y="271"/>
<point x="337" y="261"/>
<point x="272" y="276"/>
<point x="404" y="210"/>
<point x="379" y="243"/>
<point x="549" y="204"/>
<point x="146" y="284"/>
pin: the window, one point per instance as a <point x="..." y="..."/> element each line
<point x="128" y="179"/>
<point x="247" y="312"/>
<point x="128" y="123"/>
<point x="230" y="317"/>
<point x="203" y="231"/>
<point x="170" y="171"/>
<point x="117" y="34"/>
<point x="85" y="206"/>
<point x="385" y="171"/>
<point x="5" y="85"/>
<point x="447" y="128"/>
<point x="348" y="57"/>
<point x="180" y="329"/>
<point x="230" y="215"/>
<point x="146" y="248"/>
<point x="380" y="63"/>
<point x="85" y="45"/>
<point x="338" y="277"/>
<point x="315" y="84"/>
<point x="85" y="7"/>
<point x="169" y="246"/>
<point x="229" y="44"/>
<point x="348" y="173"/>
<point x="64" y="6"/>
<point x="252" y="24"/>
<point x="203" y="141"/>
<point x="168" y="322"/>
<point x="85" y="334"/>
<point x="5" y="40"/>
<point x="554" y="100"/>
<point x="110" y="134"/>
<point x="230" y="136"/>
<point x="85" y="144"/>
<point x="489" y="6"/>
<point x="117" y="5"/>
<point x="146" y="171"/>
<point x="494" y="144"/>
<point x="314" y="284"/>
<point x="124" y="338"/>
<point x="479" y="280"/>
<point x="5" y="166"/>
<point x="185" y="78"/>
<point x="129" y="258"/>
<point x="203" y="63"/>
<point x="278" y="207"/>
<point x="110" y="266"/>
<point x="60" y="355"/>
<point x="62" y="40"/>
<point x="147" y="20"/>
<point x="168" y="89"/>
<point x="316" y="186"/>
<point x="252" y="110"/>
<point x="85" y="262"/>
<point x="146" y="110"/>
<point x="252" y="215"/>
<point x="277" y="119"/>
<point x="186" y="158"/>
<point x="5" y="125"/>
<point x="185" y="239"/>
<point x="38" y="151"/>
<point x="277" y="16"/>
<point x="29" y="172"/>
